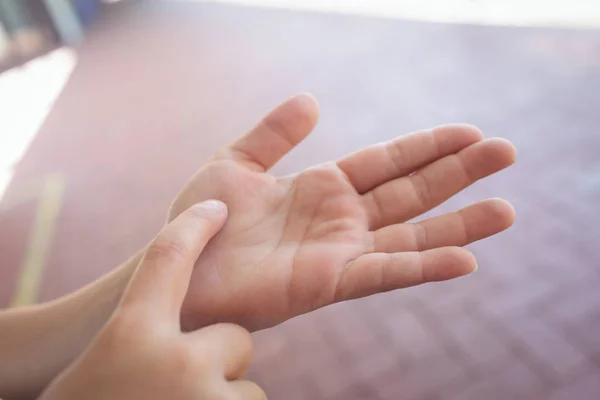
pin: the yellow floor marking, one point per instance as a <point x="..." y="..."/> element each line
<point x="31" y="270"/>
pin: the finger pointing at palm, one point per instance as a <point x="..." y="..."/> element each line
<point x="336" y="231"/>
<point x="141" y="353"/>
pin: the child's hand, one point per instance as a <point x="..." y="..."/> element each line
<point x="336" y="231"/>
<point x="141" y="354"/>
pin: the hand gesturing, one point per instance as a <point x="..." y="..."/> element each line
<point x="335" y="231"/>
<point x="141" y="353"/>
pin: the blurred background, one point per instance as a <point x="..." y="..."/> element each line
<point x="107" y="108"/>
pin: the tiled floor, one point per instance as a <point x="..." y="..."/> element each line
<point x="158" y="88"/>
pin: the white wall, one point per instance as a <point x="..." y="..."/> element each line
<point x="567" y="13"/>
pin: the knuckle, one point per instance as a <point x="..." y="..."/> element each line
<point x="327" y="174"/>
<point x="256" y="392"/>
<point x="249" y="390"/>
<point x="198" y="214"/>
<point x="207" y="212"/>
<point x="166" y="245"/>
<point x="395" y="153"/>
<point x="285" y="127"/>
<point x="422" y="190"/>
<point x="240" y="335"/>
<point x="421" y="237"/>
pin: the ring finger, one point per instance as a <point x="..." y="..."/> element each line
<point x="460" y="228"/>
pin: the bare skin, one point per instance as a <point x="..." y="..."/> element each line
<point x="336" y="231"/>
<point x="141" y="354"/>
<point x="333" y="232"/>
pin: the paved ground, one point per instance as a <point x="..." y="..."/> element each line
<point x="157" y="89"/>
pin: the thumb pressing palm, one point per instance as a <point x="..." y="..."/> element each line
<point x="339" y="230"/>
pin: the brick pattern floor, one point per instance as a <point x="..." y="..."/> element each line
<point x="159" y="87"/>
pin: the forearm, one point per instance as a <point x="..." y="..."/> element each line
<point x="38" y="342"/>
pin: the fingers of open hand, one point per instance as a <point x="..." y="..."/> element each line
<point x="158" y="287"/>
<point x="472" y="223"/>
<point x="403" y="198"/>
<point x="282" y="129"/>
<point x="375" y="165"/>
<point x="380" y="272"/>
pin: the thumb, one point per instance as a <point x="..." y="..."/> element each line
<point x="161" y="280"/>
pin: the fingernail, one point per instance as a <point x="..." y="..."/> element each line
<point x="216" y="206"/>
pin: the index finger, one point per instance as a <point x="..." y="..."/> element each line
<point x="162" y="278"/>
<point x="278" y="133"/>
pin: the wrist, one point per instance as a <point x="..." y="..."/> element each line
<point x="38" y="342"/>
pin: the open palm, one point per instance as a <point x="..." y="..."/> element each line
<point x="335" y="231"/>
